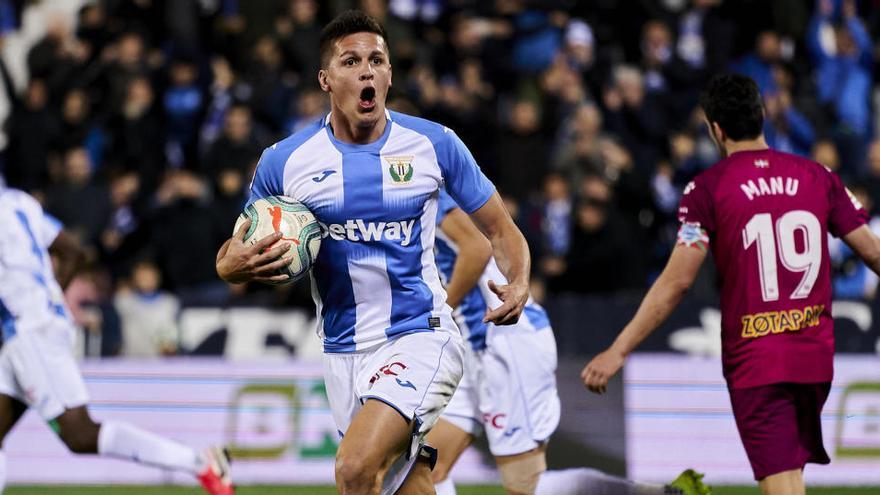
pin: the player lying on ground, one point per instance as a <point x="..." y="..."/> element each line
<point x="392" y="352"/>
<point x="766" y="216"/>
<point x="37" y="368"/>
<point x="509" y="386"/>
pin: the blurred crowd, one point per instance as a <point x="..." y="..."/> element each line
<point x="138" y="124"/>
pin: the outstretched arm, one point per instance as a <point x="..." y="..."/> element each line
<point x="512" y="255"/>
<point x="474" y="251"/>
<point x="662" y="298"/>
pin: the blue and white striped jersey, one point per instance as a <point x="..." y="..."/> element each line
<point x="375" y="278"/>
<point x="30" y="297"/>
<point x="470" y="312"/>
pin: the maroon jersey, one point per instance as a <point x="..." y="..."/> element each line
<point x="766" y="216"/>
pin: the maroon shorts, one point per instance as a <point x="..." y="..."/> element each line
<point x="780" y="425"/>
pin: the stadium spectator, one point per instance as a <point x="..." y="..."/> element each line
<point x="272" y="86"/>
<point x="825" y="152"/>
<point x="148" y="314"/>
<point x="57" y="58"/>
<point x="522" y="151"/>
<point x="602" y="255"/>
<point x="137" y="130"/>
<point x="299" y="32"/>
<point x="79" y="127"/>
<point x="32" y="128"/>
<point x="759" y="64"/>
<point x="79" y="200"/>
<point x="183" y="104"/>
<point x="226" y="89"/>
<point x="184" y="218"/>
<point x="843" y="56"/>
<point x="637" y="117"/>
<point x="785" y="128"/>
<point x="237" y="147"/>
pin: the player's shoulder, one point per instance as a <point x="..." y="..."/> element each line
<point x="19" y="199"/>
<point x="434" y="131"/>
<point x="806" y="168"/>
<point x="281" y="150"/>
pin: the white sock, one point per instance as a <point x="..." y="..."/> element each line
<point x="2" y="471"/>
<point x="445" y="487"/>
<point x="588" y="481"/>
<point x="125" y="441"/>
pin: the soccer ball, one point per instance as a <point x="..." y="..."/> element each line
<point x="297" y="225"/>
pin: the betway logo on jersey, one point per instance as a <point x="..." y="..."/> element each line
<point x="359" y="230"/>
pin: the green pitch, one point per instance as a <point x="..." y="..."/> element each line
<point x="326" y="490"/>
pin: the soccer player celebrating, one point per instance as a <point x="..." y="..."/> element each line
<point x="509" y="387"/>
<point x="392" y="352"/>
<point x="765" y="215"/>
<point x="37" y="368"/>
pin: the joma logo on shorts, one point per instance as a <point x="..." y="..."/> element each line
<point x="359" y="230"/>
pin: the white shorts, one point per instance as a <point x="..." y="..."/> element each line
<point x="509" y="391"/>
<point x="42" y="373"/>
<point x="415" y="374"/>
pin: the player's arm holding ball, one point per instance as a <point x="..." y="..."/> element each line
<point x="238" y="262"/>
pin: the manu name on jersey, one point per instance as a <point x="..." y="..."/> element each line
<point x="375" y="277"/>
<point x="472" y="308"/>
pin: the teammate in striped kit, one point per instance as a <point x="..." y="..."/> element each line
<point x="509" y="387"/>
<point x="37" y="369"/>
<point x="392" y="352"/>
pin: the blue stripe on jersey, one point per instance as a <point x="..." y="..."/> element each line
<point x="412" y="301"/>
<point x="7" y="322"/>
<point x="58" y="309"/>
<point x="537" y="316"/>
<point x="35" y="245"/>
<point x="362" y="191"/>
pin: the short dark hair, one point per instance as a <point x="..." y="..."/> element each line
<point x="734" y="102"/>
<point x="348" y="22"/>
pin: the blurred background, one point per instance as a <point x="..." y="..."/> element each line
<point x="138" y="124"/>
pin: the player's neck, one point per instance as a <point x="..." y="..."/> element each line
<point x="756" y="144"/>
<point x="349" y="132"/>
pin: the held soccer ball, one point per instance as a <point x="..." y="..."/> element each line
<point x="297" y="225"/>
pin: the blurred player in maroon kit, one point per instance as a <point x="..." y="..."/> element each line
<point x="765" y="216"/>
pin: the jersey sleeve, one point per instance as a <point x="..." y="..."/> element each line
<point x="268" y="177"/>
<point x="846" y="212"/>
<point x="49" y="229"/>
<point x="445" y="204"/>
<point x="464" y="180"/>
<point x="696" y="215"/>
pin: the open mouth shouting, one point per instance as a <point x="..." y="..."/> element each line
<point x="367" y="100"/>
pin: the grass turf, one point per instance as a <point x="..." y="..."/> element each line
<point x="322" y="490"/>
